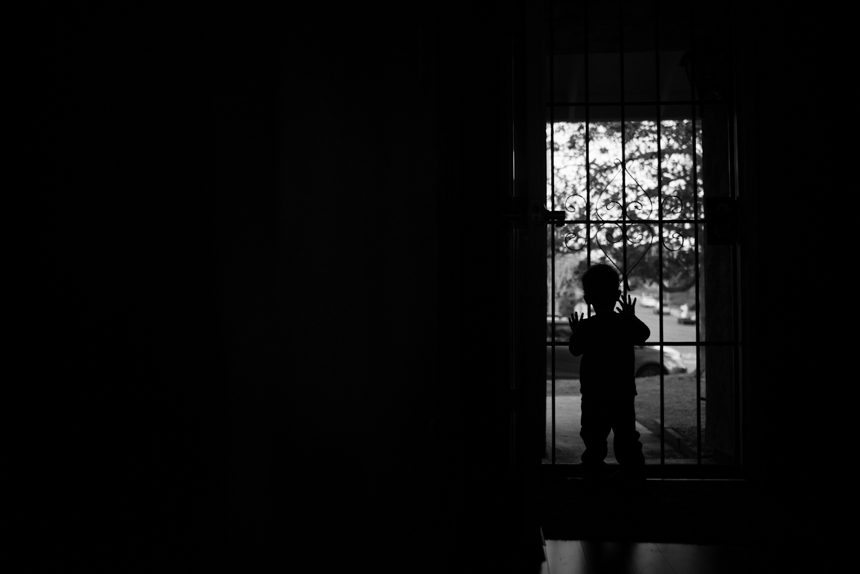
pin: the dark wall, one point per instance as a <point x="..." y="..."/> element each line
<point x="788" y="190"/>
<point x="288" y="300"/>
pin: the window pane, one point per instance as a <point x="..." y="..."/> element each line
<point x="640" y="163"/>
<point x="674" y="27"/>
<point x="568" y="49"/>
<point x="604" y="156"/>
<point x="566" y="162"/>
<point x="567" y="267"/>
<point x="679" y="398"/>
<point x="677" y="166"/>
<point x="640" y="58"/>
<point x="674" y="84"/>
<point x="604" y="52"/>
<point x="677" y="278"/>
<point x="569" y="78"/>
<point x="681" y="418"/>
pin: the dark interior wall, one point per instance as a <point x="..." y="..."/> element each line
<point x="412" y="437"/>
<point x="408" y="422"/>
<point x="786" y="184"/>
<point x="287" y="294"/>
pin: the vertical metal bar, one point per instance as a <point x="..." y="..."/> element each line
<point x="733" y="192"/>
<point x="659" y="208"/>
<point x="551" y="201"/>
<point x="698" y="342"/>
<point x="661" y="231"/>
<point x="512" y="257"/>
<point x="736" y="358"/>
<point x="696" y="228"/>
<point x="660" y="254"/>
<point x="552" y="340"/>
<point x="586" y="52"/>
<point x="552" y="330"/>
<point x="660" y="323"/>
<point x="623" y="150"/>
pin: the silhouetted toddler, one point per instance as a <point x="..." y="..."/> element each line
<point x="608" y="387"/>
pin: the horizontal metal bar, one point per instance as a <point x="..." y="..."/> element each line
<point x="725" y="474"/>
<point x="639" y="103"/>
<point x="561" y="343"/>
<point x="699" y="221"/>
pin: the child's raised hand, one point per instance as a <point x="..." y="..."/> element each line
<point x="574" y="320"/>
<point x="628" y="306"/>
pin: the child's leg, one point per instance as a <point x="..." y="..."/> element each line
<point x="628" y="449"/>
<point x="596" y="424"/>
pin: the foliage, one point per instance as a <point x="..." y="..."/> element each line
<point x="626" y="203"/>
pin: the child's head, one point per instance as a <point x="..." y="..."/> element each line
<point x="600" y="286"/>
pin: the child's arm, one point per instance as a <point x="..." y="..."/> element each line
<point x="639" y="331"/>
<point x="576" y="344"/>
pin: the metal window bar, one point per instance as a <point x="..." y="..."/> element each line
<point x="623" y="148"/>
<point x="696" y="230"/>
<point x="587" y="54"/>
<point x="643" y="103"/>
<point x="733" y="193"/>
<point x="659" y="214"/>
<point x="550" y="207"/>
<point x="587" y="86"/>
<point x="701" y="344"/>
<point x="695" y="95"/>
<point x="739" y="460"/>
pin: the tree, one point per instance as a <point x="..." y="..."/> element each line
<point x="626" y="203"/>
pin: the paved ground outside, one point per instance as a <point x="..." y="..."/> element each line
<point x="569" y="446"/>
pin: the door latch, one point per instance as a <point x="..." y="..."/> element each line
<point x="517" y="211"/>
<point x="556" y="217"/>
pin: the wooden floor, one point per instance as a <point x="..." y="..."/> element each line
<point x="595" y="557"/>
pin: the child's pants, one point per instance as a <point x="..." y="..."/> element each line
<point x="599" y="416"/>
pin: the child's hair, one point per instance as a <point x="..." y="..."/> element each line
<point x="600" y="280"/>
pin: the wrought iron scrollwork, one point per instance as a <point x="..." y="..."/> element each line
<point x="637" y="203"/>
<point x="673" y="207"/>
<point x="625" y="231"/>
<point x="674" y="238"/>
<point x="575" y="240"/>
<point x="575" y="204"/>
<point x="632" y="241"/>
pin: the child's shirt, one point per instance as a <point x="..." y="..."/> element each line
<point x="606" y="343"/>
